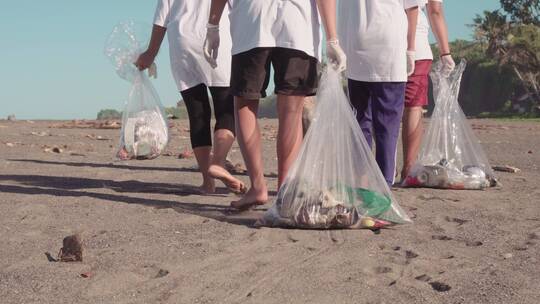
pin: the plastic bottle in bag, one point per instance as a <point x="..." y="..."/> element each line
<point x="335" y="181"/>
<point x="144" y="133"/>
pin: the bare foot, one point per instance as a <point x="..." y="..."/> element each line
<point x="233" y="184"/>
<point x="251" y="199"/>
<point x="208" y="187"/>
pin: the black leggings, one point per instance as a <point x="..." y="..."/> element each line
<point x="199" y="112"/>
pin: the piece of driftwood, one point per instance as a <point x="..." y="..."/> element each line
<point x="506" y="168"/>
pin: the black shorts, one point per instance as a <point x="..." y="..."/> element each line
<point x="295" y="72"/>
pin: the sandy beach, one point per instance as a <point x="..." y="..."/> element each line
<point x="149" y="238"/>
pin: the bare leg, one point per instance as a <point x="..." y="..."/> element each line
<point x="412" y="137"/>
<point x="249" y="140"/>
<point x="203" y="156"/>
<point x="223" y="140"/>
<point x="289" y="138"/>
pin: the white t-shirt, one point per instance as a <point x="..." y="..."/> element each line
<point x="373" y="34"/>
<point x="186" y="21"/>
<point x="292" y="24"/>
<point x="423" y="48"/>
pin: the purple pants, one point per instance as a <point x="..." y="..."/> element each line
<point x="379" y="107"/>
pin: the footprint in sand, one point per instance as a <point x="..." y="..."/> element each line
<point x="436" y="285"/>
<point x="440" y="287"/>
<point x="441" y="237"/>
<point x="456" y="220"/>
<point x="410" y="254"/>
<point x="474" y="243"/>
<point x="423" y="278"/>
<point x="382" y="269"/>
<point x="292" y="239"/>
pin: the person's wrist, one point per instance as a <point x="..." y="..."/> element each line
<point x="212" y="27"/>
<point x="152" y="52"/>
<point x="332" y="41"/>
<point x="445" y="54"/>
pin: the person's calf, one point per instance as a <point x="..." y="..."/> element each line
<point x="203" y="157"/>
<point x="249" y="140"/>
<point x="290" y="136"/>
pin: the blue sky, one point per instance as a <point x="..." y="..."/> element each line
<point x="53" y="62"/>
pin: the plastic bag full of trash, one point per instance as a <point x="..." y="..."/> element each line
<point x="144" y="132"/>
<point x="451" y="156"/>
<point x="335" y="181"/>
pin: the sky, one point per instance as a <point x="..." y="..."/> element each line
<point x="53" y="66"/>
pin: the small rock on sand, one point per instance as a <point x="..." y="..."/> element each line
<point x="161" y="273"/>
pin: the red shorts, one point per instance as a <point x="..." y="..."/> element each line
<point x="416" y="93"/>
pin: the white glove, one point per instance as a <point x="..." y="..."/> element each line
<point x="152" y="71"/>
<point x="335" y="55"/>
<point x="411" y="58"/>
<point x="448" y="64"/>
<point x="211" y="44"/>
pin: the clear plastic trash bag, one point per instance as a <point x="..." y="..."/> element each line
<point x="335" y="181"/>
<point x="144" y="132"/>
<point x="451" y="156"/>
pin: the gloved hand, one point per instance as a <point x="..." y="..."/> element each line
<point x="411" y="58"/>
<point x="448" y="64"/>
<point x="211" y="44"/>
<point x="152" y="71"/>
<point x="335" y="55"/>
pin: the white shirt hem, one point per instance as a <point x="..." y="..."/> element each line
<point x="375" y="78"/>
<point x="236" y="51"/>
<point x="187" y="86"/>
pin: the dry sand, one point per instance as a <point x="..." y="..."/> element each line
<point x="149" y="239"/>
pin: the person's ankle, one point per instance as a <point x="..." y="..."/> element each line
<point x="259" y="188"/>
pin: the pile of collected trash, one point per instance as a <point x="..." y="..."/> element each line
<point x="145" y="131"/>
<point x="451" y="156"/>
<point x="445" y="176"/>
<point x="338" y="207"/>
<point x="335" y="181"/>
<point x="143" y="136"/>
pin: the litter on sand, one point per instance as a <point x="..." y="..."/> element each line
<point x="72" y="249"/>
<point x="506" y="168"/>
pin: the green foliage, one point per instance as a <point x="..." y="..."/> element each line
<point x="511" y="36"/>
<point x="522" y="11"/>
<point x="478" y="93"/>
<point x="109" y="114"/>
